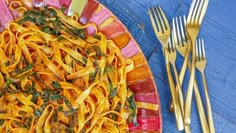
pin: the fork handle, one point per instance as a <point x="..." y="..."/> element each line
<point x="179" y="88"/>
<point x="180" y="96"/>
<point x="178" y="115"/>
<point x="188" y="102"/>
<point x="183" y="71"/>
<point x="201" y="112"/>
<point x="208" y="103"/>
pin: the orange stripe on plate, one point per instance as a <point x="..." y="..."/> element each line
<point x="113" y="29"/>
<point x="121" y="40"/>
<point x="139" y="59"/>
<point x="138" y="74"/>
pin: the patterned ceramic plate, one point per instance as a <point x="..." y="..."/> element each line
<point x="140" y="80"/>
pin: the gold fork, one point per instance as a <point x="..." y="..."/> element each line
<point x="171" y="54"/>
<point x="195" y="17"/>
<point x="201" y="65"/>
<point x="181" y="40"/>
<point x="162" y="30"/>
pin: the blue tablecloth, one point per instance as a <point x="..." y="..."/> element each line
<point x="219" y="32"/>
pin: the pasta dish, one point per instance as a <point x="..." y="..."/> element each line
<point x="55" y="78"/>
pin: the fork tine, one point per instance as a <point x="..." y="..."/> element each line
<point x="200" y="49"/>
<point x="203" y="49"/>
<point x="199" y="11"/>
<point x="178" y="31"/>
<point x="162" y="26"/>
<point x="153" y="16"/>
<point x="203" y="11"/>
<point x="174" y="36"/>
<point x="196" y="8"/>
<point x="163" y="17"/>
<point x="182" y="30"/>
<point x="185" y="30"/>
<point x="173" y="46"/>
<point x="197" y="55"/>
<point x="169" y="45"/>
<point x="191" y="11"/>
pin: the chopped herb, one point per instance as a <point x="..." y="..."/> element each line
<point x="1" y="121"/>
<point x="70" y="112"/>
<point x="30" y="66"/>
<point x="55" y="97"/>
<point x="69" y="130"/>
<point x="60" y="38"/>
<point x="96" y="49"/>
<point x="3" y="92"/>
<point x="9" y="82"/>
<point x="34" y="93"/>
<point x="44" y="105"/>
<point x="131" y="102"/>
<point x="63" y="8"/>
<point x="51" y="13"/>
<point x="56" y="85"/>
<point x="38" y="77"/>
<point x="6" y="63"/>
<point x="135" y="121"/>
<point x="26" y="126"/>
<point x="25" y="19"/>
<point x="83" y="130"/>
<point x="17" y="123"/>
<point x="97" y="37"/>
<point x="78" y="32"/>
<point x="92" y="76"/>
<point x="28" y="122"/>
<point x="67" y="102"/>
<point x="84" y="60"/>
<point x="113" y="117"/>
<point x="55" y="31"/>
<point x="46" y="94"/>
<point x="132" y="106"/>
<point x="60" y="108"/>
<point x="37" y="113"/>
<point x="71" y="80"/>
<point x="108" y="68"/>
<point x="46" y="29"/>
<point x="113" y="91"/>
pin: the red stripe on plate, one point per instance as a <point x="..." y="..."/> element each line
<point x="146" y="113"/>
<point x="88" y="11"/>
<point x="144" y="86"/>
<point x="146" y="124"/>
<point x="148" y="97"/>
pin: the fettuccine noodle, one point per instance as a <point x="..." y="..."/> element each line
<point x="58" y="79"/>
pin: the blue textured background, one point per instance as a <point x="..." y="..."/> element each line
<point x="218" y="30"/>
